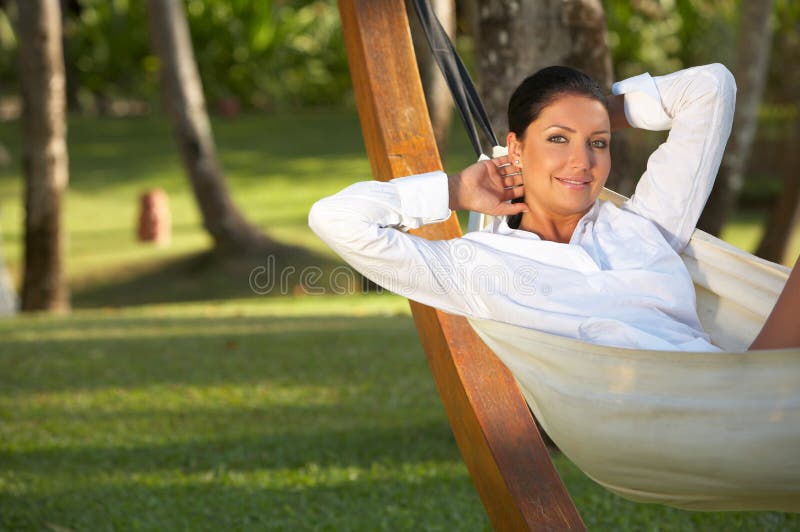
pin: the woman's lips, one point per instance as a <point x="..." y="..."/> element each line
<point x="577" y="183"/>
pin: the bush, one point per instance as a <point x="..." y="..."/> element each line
<point x="266" y="53"/>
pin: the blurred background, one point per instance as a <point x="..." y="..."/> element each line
<point x="276" y="85"/>
<point x="190" y="355"/>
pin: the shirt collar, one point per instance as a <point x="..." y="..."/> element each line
<point x="500" y="225"/>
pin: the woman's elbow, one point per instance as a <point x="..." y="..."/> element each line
<point x="725" y="83"/>
<point x="325" y="220"/>
<point x="334" y="224"/>
<point x="316" y="216"/>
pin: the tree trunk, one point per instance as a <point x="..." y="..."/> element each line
<point x="71" y="12"/>
<point x="515" y="38"/>
<point x="45" y="154"/>
<point x="182" y="94"/>
<point x="785" y="214"/>
<point x="752" y="59"/>
<point x="437" y="95"/>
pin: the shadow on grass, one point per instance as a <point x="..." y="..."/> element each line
<point x="264" y="447"/>
<point x="206" y="276"/>
<point x="395" y="504"/>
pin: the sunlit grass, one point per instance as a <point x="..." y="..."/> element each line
<point x="276" y="166"/>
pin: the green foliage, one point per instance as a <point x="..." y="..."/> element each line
<point x="286" y="53"/>
<point x="107" y="51"/>
<point x="660" y="36"/>
<point x="265" y="54"/>
<point x="270" y="53"/>
<point x="8" y="45"/>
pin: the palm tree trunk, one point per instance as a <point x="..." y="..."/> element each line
<point x="515" y="38"/>
<point x="45" y="154"/>
<point x="784" y="216"/>
<point x="183" y="98"/>
<point x="752" y="60"/>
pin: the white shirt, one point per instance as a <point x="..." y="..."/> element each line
<point x="618" y="282"/>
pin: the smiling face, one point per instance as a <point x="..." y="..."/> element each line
<point x="564" y="157"/>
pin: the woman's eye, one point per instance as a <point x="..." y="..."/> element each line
<point x="557" y="139"/>
<point x="599" y="144"/>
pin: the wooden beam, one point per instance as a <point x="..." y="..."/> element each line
<point x="492" y="424"/>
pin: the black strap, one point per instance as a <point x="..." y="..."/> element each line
<point x="466" y="98"/>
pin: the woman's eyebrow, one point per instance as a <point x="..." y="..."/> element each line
<point x="573" y="131"/>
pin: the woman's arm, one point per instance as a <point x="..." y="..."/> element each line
<point x="366" y="225"/>
<point x="697" y="106"/>
<point x="781" y="329"/>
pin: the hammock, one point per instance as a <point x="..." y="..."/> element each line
<point x="701" y="431"/>
<point x="711" y="431"/>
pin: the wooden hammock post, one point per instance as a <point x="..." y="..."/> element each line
<point x="491" y="422"/>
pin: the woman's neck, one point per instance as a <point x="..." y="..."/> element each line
<point x="554" y="228"/>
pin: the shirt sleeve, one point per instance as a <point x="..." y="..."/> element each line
<point x="367" y="223"/>
<point x="697" y="106"/>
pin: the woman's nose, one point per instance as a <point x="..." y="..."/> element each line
<point x="581" y="157"/>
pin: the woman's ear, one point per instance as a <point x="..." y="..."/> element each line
<point x="514" y="148"/>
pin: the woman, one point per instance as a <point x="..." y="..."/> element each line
<point x="562" y="262"/>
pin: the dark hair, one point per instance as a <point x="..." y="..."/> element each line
<point x="540" y="90"/>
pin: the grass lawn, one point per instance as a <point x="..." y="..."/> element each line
<point x="288" y="413"/>
<point x="174" y="398"/>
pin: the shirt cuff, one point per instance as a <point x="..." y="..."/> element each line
<point x="424" y="198"/>
<point x="643" y="106"/>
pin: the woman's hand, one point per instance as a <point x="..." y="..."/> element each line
<point x="486" y="186"/>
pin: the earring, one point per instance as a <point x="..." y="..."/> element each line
<point x="516" y="162"/>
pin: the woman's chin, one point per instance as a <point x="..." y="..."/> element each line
<point x="577" y="208"/>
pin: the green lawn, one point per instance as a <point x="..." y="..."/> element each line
<point x="174" y="398"/>
<point x="281" y="413"/>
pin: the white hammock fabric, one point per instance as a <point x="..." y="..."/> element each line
<point x="700" y="431"/>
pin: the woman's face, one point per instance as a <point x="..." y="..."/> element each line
<point x="564" y="156"/>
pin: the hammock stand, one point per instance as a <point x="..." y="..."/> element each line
<point x="489" y="416"/>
